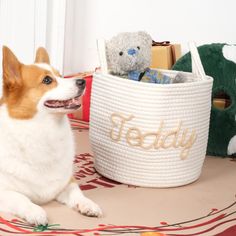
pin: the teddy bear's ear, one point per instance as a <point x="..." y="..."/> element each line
<point x="145" y="37"/>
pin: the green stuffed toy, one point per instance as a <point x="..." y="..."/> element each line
<point x="219" y="61"/>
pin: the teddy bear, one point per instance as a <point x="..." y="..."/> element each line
<point x="129" y="55"/>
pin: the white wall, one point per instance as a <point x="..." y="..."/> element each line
<point x="178" y="21"/>
<point x="15" y="28"/>
<point x="27" y="24"/>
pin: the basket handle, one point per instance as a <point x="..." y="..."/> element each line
<point x="197" y="67"/>
<point x="101" y="47"/>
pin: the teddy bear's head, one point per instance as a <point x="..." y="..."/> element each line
<point x="129" y="51"/>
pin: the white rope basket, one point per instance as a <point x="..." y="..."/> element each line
<point x="151" y="135"/>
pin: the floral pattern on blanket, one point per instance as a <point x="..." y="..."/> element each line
<point x="87" y="176"/>
<point x="203" y="225"/>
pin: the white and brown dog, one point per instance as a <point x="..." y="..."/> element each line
<point x="36" y="141"/>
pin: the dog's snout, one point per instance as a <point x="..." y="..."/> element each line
<point x="80" y="83"/>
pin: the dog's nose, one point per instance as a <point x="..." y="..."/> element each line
<point x="131" y="51"/>
<point x="80" y="83"/>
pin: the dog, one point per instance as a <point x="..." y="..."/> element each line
<point x="36" y="141"/>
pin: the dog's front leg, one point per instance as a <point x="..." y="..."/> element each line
<point x="73" y="197"/>
<point x="21" y="206"/>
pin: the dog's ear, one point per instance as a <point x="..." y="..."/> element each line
<point x="11" y="66"/>
<point x="42" y="56"/>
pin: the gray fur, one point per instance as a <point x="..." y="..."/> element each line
<point x="128" y="42"/>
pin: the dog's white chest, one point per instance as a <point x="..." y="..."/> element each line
<point x="36" y="155"/>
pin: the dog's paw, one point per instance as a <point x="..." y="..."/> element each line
<point x="36" y="215"/>
<point x="88" y="208"/>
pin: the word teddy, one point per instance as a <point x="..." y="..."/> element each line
<point x="178" y="137"/>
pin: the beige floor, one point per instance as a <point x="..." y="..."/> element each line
<point x="128" y="210"/>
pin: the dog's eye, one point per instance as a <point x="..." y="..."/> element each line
<point x="120" y="53"/>
<point x="47" y="80"/>
<point x="138" y="48"/>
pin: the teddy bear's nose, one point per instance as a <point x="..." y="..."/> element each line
<point x="131" y="51"/>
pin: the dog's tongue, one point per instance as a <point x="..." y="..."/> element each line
<point x="73" y="103"/>
<point x="67" y="104"/>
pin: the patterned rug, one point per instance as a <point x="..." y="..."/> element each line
<point x="206" y="207"/>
